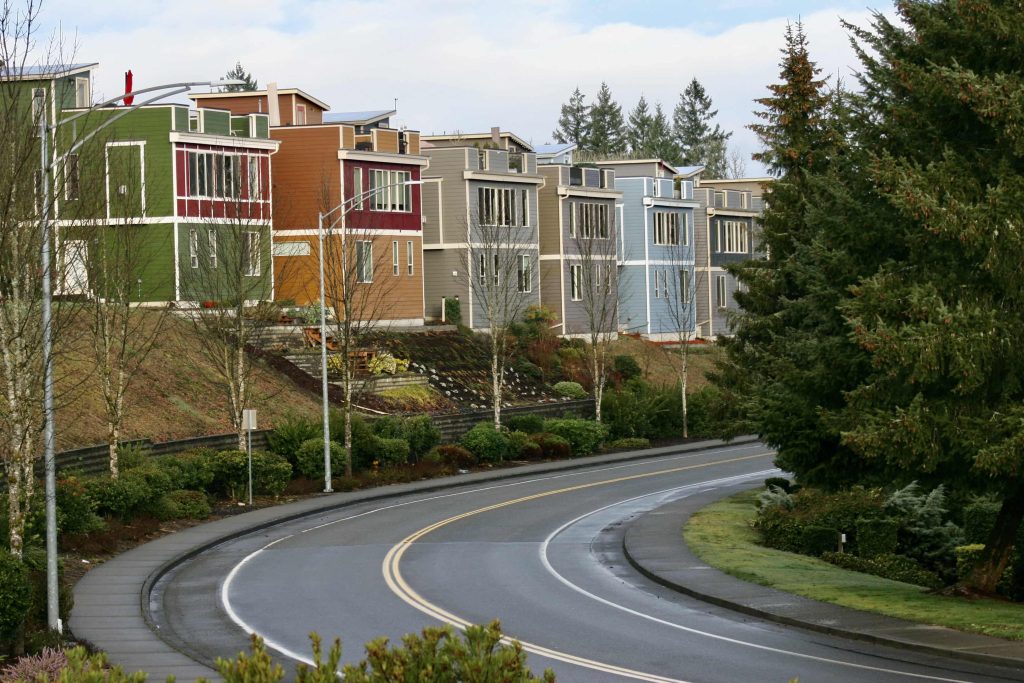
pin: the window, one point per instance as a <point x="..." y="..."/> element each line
<point x="71" y="180"/>
<point x="231" y="181"/>
<point x="497" y="270"/>
<point x="684" y="286"/>
<point x="721" y="293"/>
<point x="211" y="243"/>
<point x="193" y="248"/>
<point x="576" y="282"/>
<point x="357" y="189"/>
<point x="202" y="173"/>
<point x="660" y="284"/>
<point x="524" y="276"/>
<point x="38" y="107"/>
<point x="394" y="258"/>
<point x="524" y="217"/>
<point x="364" y="261"/>
<point x="482" y="271"/>
<point x="253" y="261"/>
<point x="255" y="188"/>
<point x="666" y="228"/>
<point x="589" y="220"/>
<point x="409" y="257"/>
<point x="390" y="193"/>
<point x="300" y="114"/>
<point x="82" y="94"/>
<point x="733" y="237"/>
<point x="496" y="206"/>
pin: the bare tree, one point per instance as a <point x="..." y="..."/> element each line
<point x="736" y="165"/>
<point x="682" y="306"/>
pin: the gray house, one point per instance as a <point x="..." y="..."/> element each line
<point x="479" y="207"/>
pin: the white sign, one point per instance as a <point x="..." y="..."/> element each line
<point x="249" y="418"/>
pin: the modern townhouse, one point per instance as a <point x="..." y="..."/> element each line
<point x="579" y="247"/>
<point x="363" y="175"/>
<point x="479" y="195"/>
<point x="656" y="271"/>
<point x="726" y="232"/>
<point x="184" y="186"/>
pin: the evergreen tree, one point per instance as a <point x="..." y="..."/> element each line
<point x="239" y="73"/>
<point x="662" y="145"/>
<point x="638" y="132"/>
<point x="574" y="121"/>
<point x="607" y="128"/>
<point x="698" y="142"/>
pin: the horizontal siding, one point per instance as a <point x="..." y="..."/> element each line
<point x="438" y="281"/>
<point x="305" y="176"/>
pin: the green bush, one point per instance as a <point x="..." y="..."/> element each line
<point x="526" y="368"/>
<point x="639" y="409"/>
<point x="452" y="455"/>
<point x="626" y="367"/>
<point x="486" y="443"/>
<point x="585" y="436"/>
<point x="190" y="504"/>
<point x="366" y="445"/>
<point x="979" y="520"/>
<point x="309" y="459"/>
<point x="892" y="567"/>
<point x="388" y="427"/>
<point x="76" y="510"/>
<point x="876" y="537"/>
<point x="967" y="558"/>
<point x="35" y="627"/>
<point x="164" y="509"/>
<point x="15" y="595"/>
<point x="192" y="470"/>
<point x="525" y="422"/>
<point x="270" y="474"/>
<point x="421" y="434"/>
<point x="290" y="434"/>
<point x="779" y="528"/>
<point x="815" y="540"/>
<point x="123" y="497"/>
<point x="452" y="311"/>
<point x="521" y="446"/>
<point x="393" y="453"/>
<point x="131" y="455"/>
<point x="85" y="668"/>
<point x="570" y="390"/>
<point x="925" y="535"/>
<point x="779" y="482"/>
<point x="553" y="446"/>
<point x="629" y="443"/>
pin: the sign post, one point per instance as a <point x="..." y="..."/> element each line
<point x="249" y="422"/>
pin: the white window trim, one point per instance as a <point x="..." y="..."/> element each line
<point x="193" y="247"/>
<point x="721" y="293"/>
<point x="254" y="266"/>
<point x="211" y="244"/>
<point x="410" y="260"/>
<point x="395" y="270"/>
<point x="367" y="249"/>
<point x="576" y="282"/>
<point x="525" y="283"/>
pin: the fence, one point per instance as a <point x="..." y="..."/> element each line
<point x="455" y="425"/>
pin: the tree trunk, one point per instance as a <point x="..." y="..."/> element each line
<point x="598" y="383"/>
<point x="113" y="434"/>
<point x="684" y="377"/>
<point x="997" y="551"/>
<point x="496" y="385"/>
<point x="348" y="416"/>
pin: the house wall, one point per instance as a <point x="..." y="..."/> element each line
<point x="450" y="226"/>
<point x="306" y="175"/>
<point x="366" y="218"/>
<point x="206" y="282"/>
<point x="444" y="275"/>
<point x="258" y="104"/>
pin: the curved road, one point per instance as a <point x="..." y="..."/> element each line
<point x="543" y="554"/>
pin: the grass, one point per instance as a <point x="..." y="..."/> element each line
<point x="412" y="398"/>
<point x="721" y="535"/>
<point x="660" y="364"/>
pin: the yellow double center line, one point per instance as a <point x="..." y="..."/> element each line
<point x="398" y="585"/>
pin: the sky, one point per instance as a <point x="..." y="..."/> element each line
<point x="465" y="65"/>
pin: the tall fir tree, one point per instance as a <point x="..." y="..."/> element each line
<point x="638" y="130"/>
<point x="662" y="145"/>
<point x="239" y="73"/>
<point x="574" y="121"/>
<point x="607" y="127"/>
<point x="698" y="141"/>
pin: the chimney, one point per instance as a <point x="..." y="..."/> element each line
<point x="273" y="106"/>
<point x="496" y="136"/>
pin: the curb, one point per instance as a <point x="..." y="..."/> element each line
<point x="668" y="521"/>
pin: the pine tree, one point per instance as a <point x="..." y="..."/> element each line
<point x="698" y="142"/>
<point x="574" y="122"/>
<point x="638" y="132"/>
<point x="239" y="73"/>
<point x="607" y="128"/>
<point x="662" y="145"/>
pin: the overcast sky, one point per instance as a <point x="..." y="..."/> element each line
<point x="463" y="64"/>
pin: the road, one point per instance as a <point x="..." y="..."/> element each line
<point x="542" y="554"/>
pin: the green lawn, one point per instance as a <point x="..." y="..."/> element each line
<point x="721" y="535"/>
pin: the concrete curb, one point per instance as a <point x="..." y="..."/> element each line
<point x="654" y="545"/>
<point x="127" y="629"/>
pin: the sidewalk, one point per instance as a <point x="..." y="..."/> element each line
<point x="112" y="601"/>
<point x="654" y="545"/>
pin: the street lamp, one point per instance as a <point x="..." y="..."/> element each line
<point x="342" y="209"/>
<point x="49" y="429"/>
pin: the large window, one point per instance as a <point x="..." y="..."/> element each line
<point x="576" y="282"/>
<point x="503" y="206"/>
<point x="524" y="273"/>
<point x="666" y="228"/>
<point x="483" y="271"/>
<point x="721" y="293"/>
<point x="364" y="261"/>
<point x="588" y="220"/>
<point x="253" y="257"/>
<point x="389" y="191"/>
<point x="215" y="175"/>
<point x="733" y="237"/>
<point x="255" y="186"/>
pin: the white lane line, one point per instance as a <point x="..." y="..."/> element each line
<point x="582" y="591"/>
<point x="225" y="590"/>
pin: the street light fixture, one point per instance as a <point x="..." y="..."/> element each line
<point x="343" y="210"/>
<point x="46" y="167"/>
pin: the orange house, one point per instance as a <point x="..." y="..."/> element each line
<point x="357" y="170"/>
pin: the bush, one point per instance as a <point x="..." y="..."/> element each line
<point x="553" y="446"/>
<point x="570" y="389"/>
<point x="288" y="436"/>
<point x="815" y="540"/>
<point x="626" y="367"/>
<point x="270" y="474"/>
<point x="422" y="435"/>
<point x="393" y="453"/>
<point x="388" y="427"/>
<point x="30" y="668"/>
<point x="967" y="558"/>
<point x="309" y="459"/>
<point x="164" y="509"/>
<point x="924" y="535"/>
<point x="979" y="520"/>
<point x="778" y="482"/>
<point x="778" y="528"/>
<point x="629" y="443"/>
<point x="585" y="436"/>
<point x="641" y="410"/>
<point x="452" y="311"/>
<point x="85" y="668"/>
<point x="892" y="567"/>
<point x="528" y="369"/>
<point x="366" y="445"/>
<point x="525" y="422"/>
<point x="486" y="443"/>
<point x="131" y="454"/>
<point x="521" y="446"/>
<point x="190" y="504"/>
<point x="192" y="470"/>
<point x="15" y="595"/>
<point x="452" y="455"/>
<point x="876" y="537"/>
<point x="123" y="497"/>
<point x="76" y="510"/>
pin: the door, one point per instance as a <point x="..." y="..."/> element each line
<point x="76" y="267"/>
<point x="126" y="185"/>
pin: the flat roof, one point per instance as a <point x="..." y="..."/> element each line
<point x="44" y="71"/>
<point x="360" y="118"/>
<point x="477" y="136"/>
<point x="261" y="93"/>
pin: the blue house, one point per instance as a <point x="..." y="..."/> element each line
<point x="656" y="283"/>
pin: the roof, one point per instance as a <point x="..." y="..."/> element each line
<point x="360" y="118"/>
<point x="616" y="162"/>
<point x="478" y="136"/>
<point x="260" y="93"/>
<point x="687" y="171"/>
<point x="44" y="71"/>
<point x="555" y="150"/>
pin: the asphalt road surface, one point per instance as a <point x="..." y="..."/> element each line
<point x="543" y="555"/>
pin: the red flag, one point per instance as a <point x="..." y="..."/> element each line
<point x="128" y="88"/>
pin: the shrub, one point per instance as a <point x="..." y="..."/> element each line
<point x="290" y="434"/>
<point x="525" y="422"/>
<point x="34" y="560"/>
<point x="521" y="446"/>
<point x="979" y="519"/>
<point x="192" y="470"/>
<point x="779" y="482"/>
<point x="629" y="443"/>
<point x="393" y="452"/>
<point x="641" y="410"/>
<point x="526" y="368"/>
<point x="190" y="504"/>
<point x="132" y="454"/>
<point x="876" y="537"/>
<point x="164" y="509"/>
<point x="585" y="436"/>
<point x="570" y="389"/>
<point x="270" y="473"/>
<point x="76" y="510"/>
<point x="452" y="311"/>
<point x="365" y="444"/>
<point x="123" y="497"/>
<point x="892" y="567"/>
<point x="553" y="446"/>
<point x="924" y="535"/>
<point x="422" y="435"/>
<point x="774" y="497"/>
<point x="452" y="455"/>
<point x="85" y="668"/>
<point x="15" y="595"/>
<point x="486" y="443"/>
<point x="815" y="540"/>
<point x="626" y="367"/>
<point x="778" y="528"/>
<point x="49" y="663"/>
<point x="309" y="459"/>
<point x="388" y="427"/>
<point x="967" y="558"/>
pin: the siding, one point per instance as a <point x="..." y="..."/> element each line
<point x="151" y="267"/>
<point x="551" y="223"/>
<point x="438" y="282"/>
<point x="306" y="175"/>
<point x="551" y="287"/>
